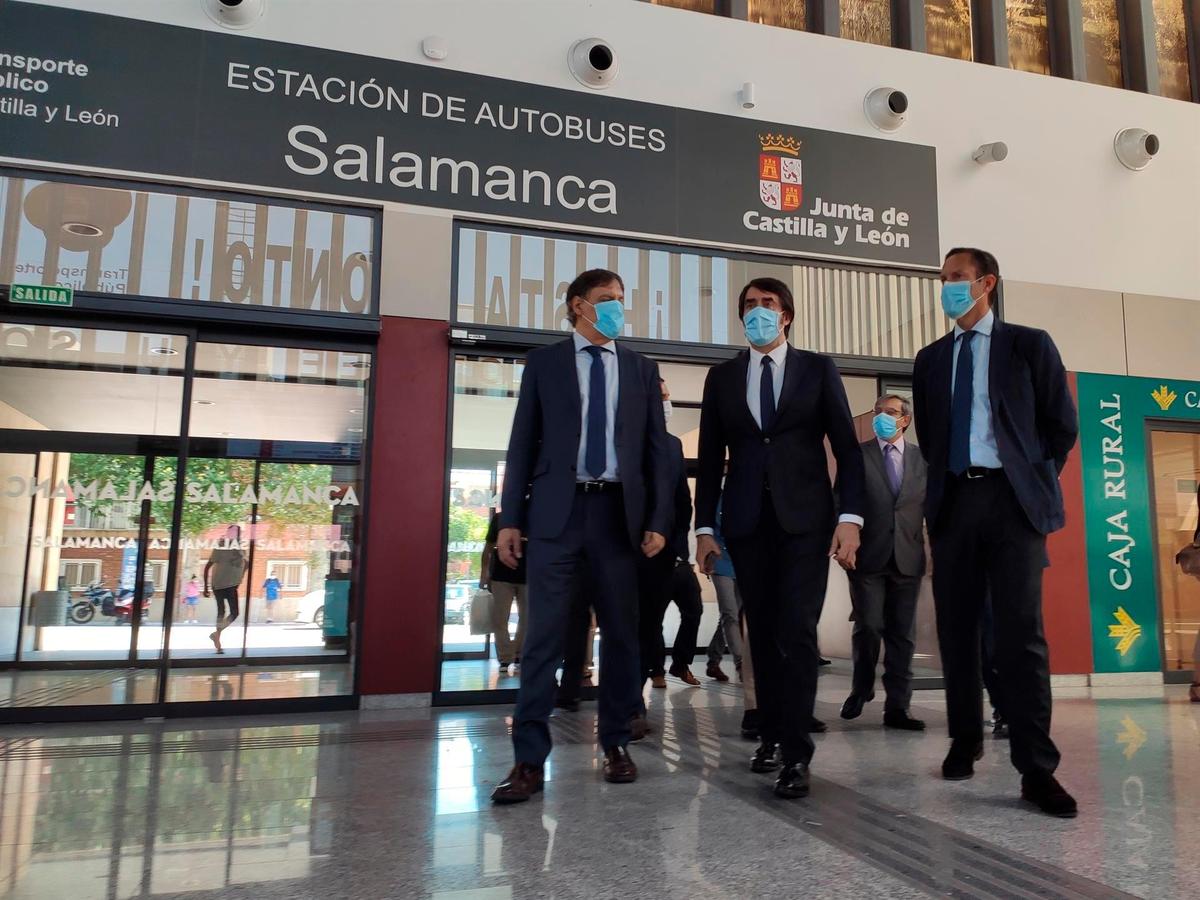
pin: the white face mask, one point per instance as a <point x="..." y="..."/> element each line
<point x="667" y="410"/>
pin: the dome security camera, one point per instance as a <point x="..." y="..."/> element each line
<point x="1135" y="147"/>
<point x="235" y="13"/>
<point x="990" y="153"/>
<point x="886" y="108"/>
<point x="593" y="63"/>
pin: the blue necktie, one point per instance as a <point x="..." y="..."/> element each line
<point x="766" y="395"/>
<point x="596" y="458"/>
<point x="894" y="468"/>
<point x="960" y="407"/>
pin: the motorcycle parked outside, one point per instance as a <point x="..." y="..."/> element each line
<point x="118" y="606"/>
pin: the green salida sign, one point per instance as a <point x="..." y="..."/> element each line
<point x="1122" y="574"/>
<point x="41" y="294"/>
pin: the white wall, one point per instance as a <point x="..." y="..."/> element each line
<point x="1060" y="211"/>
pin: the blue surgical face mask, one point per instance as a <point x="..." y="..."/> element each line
<point x="956" y="297"/>
<point x="762" y="326"/>
<point x="885" y="426"/>
<point x="610" y="318"/>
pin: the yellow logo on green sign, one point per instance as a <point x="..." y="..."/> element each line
<point x="1164" y="397"/>
<point x="1127" y="630"/>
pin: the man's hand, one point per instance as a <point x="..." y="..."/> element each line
<point x="845" y="545"/>
<point x="652" y="543"/>
<point x="508" y="545"/>
<point x="206" y="593"/>
<point x="707" y="552"/>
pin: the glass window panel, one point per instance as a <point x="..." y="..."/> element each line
<point x="704" y="6"/>
<point x="1102" y="42"/>
<point x="948" y="28"/>
<point x="869" y="21"/>
<point x="185" y="246"/>
<point x="1170" y="39"/>
<point x="1028" y="36"/>
<point x="1175" y="462"/>
<point x="784" y="13"/>
<point x="677" y="296"/>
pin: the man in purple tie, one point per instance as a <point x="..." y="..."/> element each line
<point x="891" y="560"/>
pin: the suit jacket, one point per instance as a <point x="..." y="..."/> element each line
<point x="1033" y="417"/>
<point x="681" y="512"/>
<point x="543" y="448"/>
<point x="790" y="456"/>
<point x="894" y="523"/>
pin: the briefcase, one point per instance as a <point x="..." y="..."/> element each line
<point x="1189" y="559"/>
<point x="480" y="616"/>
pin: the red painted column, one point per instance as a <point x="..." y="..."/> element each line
<point x="1065" y="587"/>
<point x="407" y="508"/>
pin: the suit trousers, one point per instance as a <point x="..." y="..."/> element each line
<point x="728" y="633"/>
<point x="595" y="533"/>
<point x="782" y="578"/>
<point x="885" y="611"/>
<point x="504" y="594"/>
<point x="654" y="596"/>
<point x="983" y="545"/>
<point x="579" y="638"/>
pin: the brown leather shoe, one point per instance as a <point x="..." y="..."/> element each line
<point x="659" y="681"/>
<point x="522" y="783"/>
<point x="684" y="674"/>
<point x="618" y="767"/>
<point x="638" y="728"/>
<point x="716" y="672"/>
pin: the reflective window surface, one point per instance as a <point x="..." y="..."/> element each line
<point x="869" y="21"/>
<point x="1102" y="42"/>
<point x="185" y="247"/>
<point x="1170" y="40"/>
<point x="784" y="13"/>
<point x="1028" y="36"/>
<point x="948" y="28"/>
<point x="1175" y="463"/>
<point x="520" y="281"/>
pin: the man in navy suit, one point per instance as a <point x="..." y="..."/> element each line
<point x="588" y="479"/>
<point x="996" y="421"/>
<point x="772" y="408"/>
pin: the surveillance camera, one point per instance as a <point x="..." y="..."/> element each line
<point x="1135" y="147"/>
<point x="990" y="153"/>
<point x="593" y="62"/>
<point x="235" y="13"/>
<point x="886" y="108"/>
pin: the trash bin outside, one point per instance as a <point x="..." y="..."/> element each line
<point x="49" y="608"/>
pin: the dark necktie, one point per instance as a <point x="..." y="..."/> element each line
<point x="596" y="458"/>
<point x="766" y="395"/>
<point x="960" y="407"/>
<point x="893" y="464"/>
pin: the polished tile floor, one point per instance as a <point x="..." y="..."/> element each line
<point x="394" y="805"/>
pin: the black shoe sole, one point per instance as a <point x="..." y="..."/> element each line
<point x="620" y="779"/>
<point x="511" y="801"/>
<point x="967" y="777"/>
<point x="920" y="727"/>
<point x="763" y="768"/>
<point x="784" y="793"/>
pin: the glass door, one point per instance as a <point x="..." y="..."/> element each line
<point x="1175" y="463"/>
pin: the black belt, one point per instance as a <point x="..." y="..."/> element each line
<point x="597" y="487"/>
<point x="973" y="473"/>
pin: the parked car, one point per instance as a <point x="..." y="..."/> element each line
<point x="311" y="608"/>
<point x="458" y="601"/>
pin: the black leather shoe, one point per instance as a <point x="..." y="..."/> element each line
<point x="568" y="703"/>
<point x="853" y="706"/>
<point x="822" y="662"/>
<point x="750" y="725"/>
<point x="793" y="782"/>
<point x="522" y="783"/>
<point x="899" y="718"/>
<point x="618" y="767"/>
<point x="816" y="726"/>
<point x="1043" y="791"/>
<point x="999" y="728"/>
<point x="765" y="758"/>
<point x="959" y="764"/>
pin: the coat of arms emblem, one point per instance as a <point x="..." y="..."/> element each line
<point x="779" y="181"/>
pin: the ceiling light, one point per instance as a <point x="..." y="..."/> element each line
<point x="205" y="402"/>
<point x="164" y="351"/>
<point x="355" y="412"/>
<point x="82" y="229"/>
<point x="355" y="429"/>
<point x="361" y="364"/>
<point x="746" y="96"/>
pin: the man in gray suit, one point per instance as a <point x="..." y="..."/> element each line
<point x="891" y="560"/>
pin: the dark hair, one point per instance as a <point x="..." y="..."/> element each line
<point x="770" y="286"/>
<point x="586" y="281"/>
<point x="985" y="263"/>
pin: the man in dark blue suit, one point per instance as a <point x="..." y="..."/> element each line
<point x="772" y="407"/>
<point x="588" y="479"/>
<point x="995" y="419"/>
